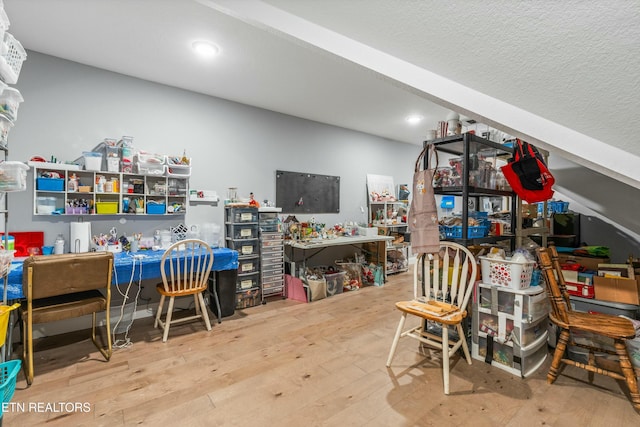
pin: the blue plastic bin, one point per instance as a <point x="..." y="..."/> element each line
<point x="50" y="184"/>
<point x="156" y="208"/>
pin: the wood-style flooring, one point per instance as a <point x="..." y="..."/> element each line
<point x="293" y="364"/>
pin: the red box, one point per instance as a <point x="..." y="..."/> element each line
<point x="580" y="290"/>
<point x="295" y="288"/>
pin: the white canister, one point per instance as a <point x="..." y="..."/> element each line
<point x="58" y="246"/>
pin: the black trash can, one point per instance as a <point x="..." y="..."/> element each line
<point x="225" y="285"/>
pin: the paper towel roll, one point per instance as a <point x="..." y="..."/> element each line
<point x="80" y="234"/>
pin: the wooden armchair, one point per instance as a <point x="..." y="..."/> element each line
<point x="59" y="287"/>
<point x="616" y="328"/>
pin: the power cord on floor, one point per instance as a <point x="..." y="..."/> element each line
<point x="126" y="341"/>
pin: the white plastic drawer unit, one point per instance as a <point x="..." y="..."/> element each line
<point x="502" y="328"/>
<point x="527" y="304"/>
<point x="511" y="359"/>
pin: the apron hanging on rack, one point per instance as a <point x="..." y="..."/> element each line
<point x="423" y="213"/>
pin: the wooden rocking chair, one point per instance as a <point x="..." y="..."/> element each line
<point x="618" y="329"/>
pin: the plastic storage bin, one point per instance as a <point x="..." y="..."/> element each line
<point x="528" y="304"/>
<point x="45" y="205"/>
<point x="105" y="208"/>
<point x="178" y="169"/>
<point x="13" y="176"/>
<point x="455" y="231"/>
<point x="156" y="208"/>
<point x="247" y="281"/>
<point x="507" y="273"/>
<point x="11" y="59"/>
<point x="241" y="215"/>
<point x="249" y="265"/>
<point x="10" y="100"/>
<point x="92" y="160"/>
<point x="50" y="184"/>
<point x="244" y="247"/>
<point x="148" y="168"/>
<point x="248" y="298"/>
<point x="242" y="231"/>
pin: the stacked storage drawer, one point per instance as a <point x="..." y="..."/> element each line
<point x="510" y="328"/>
<point x="271" y="252"/>
<point x="241" y="225"/>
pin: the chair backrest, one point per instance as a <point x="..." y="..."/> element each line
<point x="555" y="286"/>
<point x="185" y="266"/>
<point x="62" y="274"/>
<point x="447" y="276"/>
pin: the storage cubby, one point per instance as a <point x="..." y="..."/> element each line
<point x="67" y="190"/>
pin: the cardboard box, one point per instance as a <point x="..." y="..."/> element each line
<point x="590" y="263"/>
<point x="621" y="290"/>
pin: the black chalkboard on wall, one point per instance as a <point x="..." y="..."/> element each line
<point x="301" y="192"/>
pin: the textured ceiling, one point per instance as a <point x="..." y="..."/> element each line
<point x="574" y="62"/>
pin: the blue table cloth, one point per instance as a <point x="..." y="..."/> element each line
<point x="147" y="262"/>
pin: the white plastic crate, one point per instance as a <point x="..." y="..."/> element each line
<point x="506" y="273"/>
<point x="13" y="55"/>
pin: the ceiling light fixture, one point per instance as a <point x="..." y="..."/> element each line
<point x="414" y="119"/>
<point x="205" y="49"/>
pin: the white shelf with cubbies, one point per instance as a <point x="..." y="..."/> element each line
<point x="68" y="190"/>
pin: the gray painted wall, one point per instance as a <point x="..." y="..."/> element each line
<point x="70" y="108"/>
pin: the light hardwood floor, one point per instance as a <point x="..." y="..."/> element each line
<point x="293" y="364"/>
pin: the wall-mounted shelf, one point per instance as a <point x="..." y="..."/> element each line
<point x="152" y="194"/>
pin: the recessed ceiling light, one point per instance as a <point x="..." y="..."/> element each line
<point x="205" y="49"/>
<point x="414" y="119"/>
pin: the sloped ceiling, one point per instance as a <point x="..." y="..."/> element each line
<point x="561" y="74"/>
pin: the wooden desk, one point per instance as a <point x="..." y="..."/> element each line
<point x="302" y="251"/>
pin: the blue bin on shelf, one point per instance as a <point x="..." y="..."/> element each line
<point x="156" y="208"/>
<point x="50" y="184"/>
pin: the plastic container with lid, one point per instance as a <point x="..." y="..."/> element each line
<point x="45" y="205"/>
<point x="92" y="160"/>
<point x="13" y="176"/>
<point x="10" y="100"/>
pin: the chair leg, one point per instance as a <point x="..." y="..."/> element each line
<point x="628" y="371"/>
<point x="396" y="338"/>
<point x="196" y="303"/>
<point x="167" y="322"/>
<point x="465" y="347"/>
<point x="106" y="353"/>
<point x="561" y="346"/>
<point x="28" y="346"/>
<point x="445" y="357"/>
<point x="205" y="313"/>
<point x="159" y="313"/>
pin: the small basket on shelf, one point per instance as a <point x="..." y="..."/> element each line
<point x="11" y="59"/>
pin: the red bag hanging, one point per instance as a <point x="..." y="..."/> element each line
<point x="528" y="174"/>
